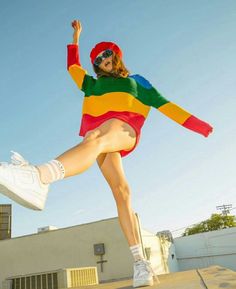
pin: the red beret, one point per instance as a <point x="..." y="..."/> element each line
<point x="98" y="48"/>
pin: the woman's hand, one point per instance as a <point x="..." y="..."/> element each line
<point x="77" y="26"/>
<point x="77" y="30"/>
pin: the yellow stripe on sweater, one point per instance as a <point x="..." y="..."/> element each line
<point x="114" y="101"/>
<point x="77" y="73"/>
<point x="174" y="112"/>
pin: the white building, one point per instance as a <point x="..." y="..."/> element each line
<point x="73" y="247"/>
<point x="102" y="245"/>
<point x="207" y="249"/>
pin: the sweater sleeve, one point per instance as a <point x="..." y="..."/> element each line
<point x="150" y="96"/>
<point x="77" y="72"/>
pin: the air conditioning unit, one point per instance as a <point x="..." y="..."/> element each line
<point x="75" y="277"/>
<point x="7" y="284"/>
<point x="58" y="279"/>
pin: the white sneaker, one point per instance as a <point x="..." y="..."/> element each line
<point x="143" y="274"/>
<point x="20" y="181"/>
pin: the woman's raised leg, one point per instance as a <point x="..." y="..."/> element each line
<point x="31" y="185"/>
<point x="113" y="135"/>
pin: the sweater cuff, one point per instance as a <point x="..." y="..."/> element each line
<point x="197" y="125"/>
<point x="73" y="55"/>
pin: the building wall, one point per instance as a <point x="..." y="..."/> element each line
<point x="73" y="247"/>
<point x="5" y="221"/>
<point x="206" y="249"/>
<point x="162" y="253"/>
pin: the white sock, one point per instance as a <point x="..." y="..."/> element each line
<point x="137" y="252"/>
<point x="51" y="171"/>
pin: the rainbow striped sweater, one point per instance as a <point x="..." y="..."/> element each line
<point x="129" y="99"/>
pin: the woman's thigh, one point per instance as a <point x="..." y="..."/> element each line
<point x="115" y="135"/>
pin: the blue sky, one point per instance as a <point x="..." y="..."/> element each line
<point x="185" y="48"/>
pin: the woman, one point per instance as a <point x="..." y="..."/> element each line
<point x="115" y="107"/>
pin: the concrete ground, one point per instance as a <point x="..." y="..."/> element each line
<point x="214" y="277"/>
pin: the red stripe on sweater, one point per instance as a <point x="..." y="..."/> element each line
<point x="89" y="122"/>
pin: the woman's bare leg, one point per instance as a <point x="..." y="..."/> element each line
<point x="113" y="135"/>
<point x="110" y="165"/>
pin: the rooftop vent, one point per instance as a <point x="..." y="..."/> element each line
<point x="46" y="229"/>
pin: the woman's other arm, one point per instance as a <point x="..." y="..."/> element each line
<point x="150" y="96"/>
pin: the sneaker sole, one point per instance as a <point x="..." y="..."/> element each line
<point x="142" y="283"/>
<point x="8" y="192"/>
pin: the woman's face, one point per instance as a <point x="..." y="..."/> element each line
<point x="106" y="64"/>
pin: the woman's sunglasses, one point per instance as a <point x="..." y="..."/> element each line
<point x="105" y="54"/>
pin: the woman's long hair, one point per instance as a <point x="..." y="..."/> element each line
<point x="119" y="69"/>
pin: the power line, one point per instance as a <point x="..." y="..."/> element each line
<point x="225" y="209"/>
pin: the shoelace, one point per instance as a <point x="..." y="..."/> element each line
<point x="142" y="266"/>
<point x="153" y="273"/>
<point x="18" y="160"/>
<point x="146" y="264"/>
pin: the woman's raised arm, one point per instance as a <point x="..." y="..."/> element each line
<point x="76" y="24"/>
<point x="76" y="71"/>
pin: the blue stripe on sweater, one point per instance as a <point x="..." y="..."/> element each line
<point x="141" y="80"/>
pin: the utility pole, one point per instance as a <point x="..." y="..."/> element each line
<point x="225" y="209"/>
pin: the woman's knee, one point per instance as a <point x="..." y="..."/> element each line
<point x="93" y="138"/>
<point x="103" y="143"/>
<point x="92" y="135"/>
<point x="121" y="193"/>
